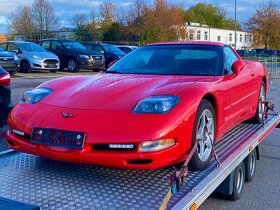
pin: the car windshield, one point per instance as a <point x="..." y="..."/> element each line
<point x="112" y="49"/>
<point x="73" y="45"/>
<point x="31" y="47"/>
<point x="187" y="59"/>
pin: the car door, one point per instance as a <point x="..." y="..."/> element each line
<point x="58" y="49"/>
<point x="14" y="49"/>
<point x="243" y="88"/>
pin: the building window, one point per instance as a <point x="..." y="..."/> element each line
<point x="245" y="38"/>
<point x="230" y="37"/>
<point x="218" y="38"/>
<point x="198" y="36"/>
<point x="205" y="35"/>
<point x="250" y="39"/>
<point x="240" y="38"/>
<point x="191" y="34"/>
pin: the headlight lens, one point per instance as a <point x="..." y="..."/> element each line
<point x="15" y="58"/>
<point x="35" y="95"/>
<point x="156" y="104"/>
<point x="36" y="57"/>
<point x="149" y="146"/>
<point x="84" y="56"/>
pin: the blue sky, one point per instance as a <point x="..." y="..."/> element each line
<point x="66" y="8"/>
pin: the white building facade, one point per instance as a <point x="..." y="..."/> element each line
<point x="199" y="32"/>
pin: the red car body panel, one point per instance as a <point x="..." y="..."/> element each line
<point x="103" y="105"/>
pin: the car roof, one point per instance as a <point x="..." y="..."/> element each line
<point x="189" y="43"/>
<point x="17" y="42"/>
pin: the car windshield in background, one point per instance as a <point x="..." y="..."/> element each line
<point x="30" y="47"/>
<point x="200" y="60"/>
<point x="112" y="49"/>
<point x="73" y="45"/>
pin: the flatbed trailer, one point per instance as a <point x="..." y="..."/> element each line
<point x="57" y="185"/>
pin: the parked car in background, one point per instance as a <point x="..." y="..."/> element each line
<point x="126" y="48"/>
<point x="111" y="52"/>
<point x="5" y="96"/>
<point x="258" y="50"/>
<point x="31" y="56"/>
<point x="73" y="55"/>
<point x="241" y="53"/>
<point x="267" y="52"/>
<point x="8" y="61"/>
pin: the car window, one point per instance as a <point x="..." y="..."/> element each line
<point x="229" y="58"/>
<point x="97" y="48"/>
<point x="46" y="44"/>
<point x="172" y="60"/>
<point x="73" y="45"/>
<point x="12" y="47"/>
<point x="55" y="44"/>
<point x="3" y="46"/>
<point x="30" y="47"/>
<point x="112" y="49"/>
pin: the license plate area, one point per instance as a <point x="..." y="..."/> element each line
<point x="58" y="138"/>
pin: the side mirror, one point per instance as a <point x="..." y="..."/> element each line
<point x="5" y="79"/>
<point x="16" y="52"/>
<point x="102" y="51"/>
<point x="237" y="66"/>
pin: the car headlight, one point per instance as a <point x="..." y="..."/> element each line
<point x="84" y="56"/>
<point x="149" y="146"/>
<point x="35" y="95"/>
<point x="156" y="104"/>
<point x="36" y="57"/>
<point x="15" y="58"/>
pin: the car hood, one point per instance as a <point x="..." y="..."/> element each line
<point x="112" y="91"/>
<point x="6" y="55"/>
<point x="42" y="55"/>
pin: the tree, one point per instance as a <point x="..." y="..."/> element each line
<point x="44" y="18"/>
<point x="79" y="20"/>
<point x="21" y="22"/>
<point x="210" y="15"/>
<point x="264" y="26"/>
<point x="107" y="15"/>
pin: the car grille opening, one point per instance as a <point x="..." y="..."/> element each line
<point x="106" y="147"/>
<point x="7" y="59"/>
<point x="139" y="161"/>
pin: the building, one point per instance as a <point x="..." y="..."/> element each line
<point x="3" y="38"/>
<point x="200" y="32"/>
<point x="64" y="33"/>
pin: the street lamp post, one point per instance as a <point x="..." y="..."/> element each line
<point x="235" y="24"/>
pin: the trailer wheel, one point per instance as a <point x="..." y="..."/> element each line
<point x="250" y="166"/>
<point x="204" y="135"/>
<point x="238" y="182"/>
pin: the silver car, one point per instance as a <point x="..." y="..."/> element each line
<point x="32" y="56"/>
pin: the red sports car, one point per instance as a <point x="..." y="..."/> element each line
<point x="146" y="111"/>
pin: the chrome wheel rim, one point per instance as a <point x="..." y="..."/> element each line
<point x="252" y="164"/>
<point x="261" y="100"/>
<point x="205" y="135"/>
<point x="71" y="65"/>
<point x="239" y="183"/>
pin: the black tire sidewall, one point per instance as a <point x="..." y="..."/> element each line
<point x="195" y="163"/>
<point x="27" y="68"/>
<point x="235" y="195"/>
<point x="248" y="176"/>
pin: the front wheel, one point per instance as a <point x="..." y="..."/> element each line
<point x="72" y="65"/>
<point x="257" y="119"/>
<point x="204" y="135"/>
<point x="25" y="67"/>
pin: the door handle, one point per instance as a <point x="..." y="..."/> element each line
<point x="252" y="73"/>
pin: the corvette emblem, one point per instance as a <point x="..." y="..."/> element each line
<point x="68" y="115"/>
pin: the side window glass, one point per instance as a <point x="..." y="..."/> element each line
<point x="12" y="48"/>
<point x="97" y="48"/>
<point x="55" y="44"/>
<point x="229" y="58"/>
<point x="3" y="46"/>
<point x="46" y="44"/>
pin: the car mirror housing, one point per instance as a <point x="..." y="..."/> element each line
<point x="237" y="66"/>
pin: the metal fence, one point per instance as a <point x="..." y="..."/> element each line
<point x="271" y="64"/>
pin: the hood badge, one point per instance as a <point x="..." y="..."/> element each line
<point x="68" y="115"/>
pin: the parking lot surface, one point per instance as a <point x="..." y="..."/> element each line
<point x="262" y="193"/>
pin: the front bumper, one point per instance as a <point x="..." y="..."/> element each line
<point x="9" y="66"/>
<point x="45" y="64"/>
<point x="92" y="64"/>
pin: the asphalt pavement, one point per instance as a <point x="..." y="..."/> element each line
<point x="262" y="193"/>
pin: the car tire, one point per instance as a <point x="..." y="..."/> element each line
<point x="257" y="119"/>
<point x="205" y="120"/>
<point x="72" y="65"/>
<point x="238" y="182"/>
<point x="250" y="166"/>
<point x="25" y="67"/>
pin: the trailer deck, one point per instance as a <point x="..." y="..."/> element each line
<point x="57" y="185"/>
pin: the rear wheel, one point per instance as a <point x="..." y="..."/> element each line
<point x="72" y="65"/>
<point x="257" y="119"/>
<point x="250" y="166"/>
<point x="204" y="135"/>
<point x="238" y="182"/>
<point x="25" y="67"/>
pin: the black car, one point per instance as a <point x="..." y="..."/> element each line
<point x="73" y="55"/>
<point x="268" y="52"/>
<point x="111" y="52"/>
<point x="8" y="61"/>
<point x="5" y="96"/>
